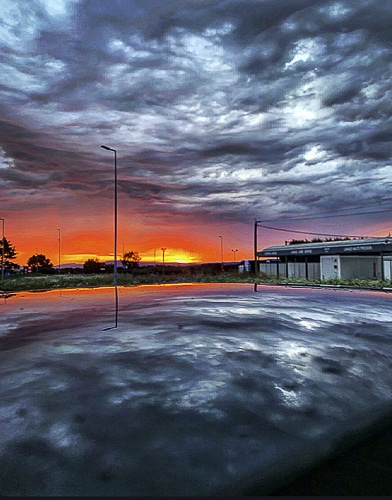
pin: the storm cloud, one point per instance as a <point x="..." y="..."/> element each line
<point x="246" y="109"/>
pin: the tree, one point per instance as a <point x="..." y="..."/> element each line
<point x="9" y="252"/>
<point x="318" y="240"/>
<point x="296" y="242"/>
<point x="92" y="266"/>
<point x="131" y="260"/>
<point x="40" y="263"/>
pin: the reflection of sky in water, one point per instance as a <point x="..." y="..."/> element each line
<point x="196" y="382"/>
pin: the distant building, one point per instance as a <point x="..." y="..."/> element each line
<point x="246" y="266"/>
<point x="369" y="258"/>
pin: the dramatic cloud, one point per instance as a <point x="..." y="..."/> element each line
<point x="220" y="111"/>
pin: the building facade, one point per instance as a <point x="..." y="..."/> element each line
<point x="369" y="258"/>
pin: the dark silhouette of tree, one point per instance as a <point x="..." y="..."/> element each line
<point x="131" y="260"/>
<point x="92" y="266"/>
<point x="40" y="263"/>
<point x="317" y="240"/>
<point x="9" y="252"/>
<point x="297" y="242"/>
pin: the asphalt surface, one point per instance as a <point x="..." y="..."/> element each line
<point x="363" y="470"/>
<point x="199" y="389"/>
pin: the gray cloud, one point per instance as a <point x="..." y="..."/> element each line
<point x="232" y="108"/>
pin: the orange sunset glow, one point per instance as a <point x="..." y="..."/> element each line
<point x="194" y="245"/>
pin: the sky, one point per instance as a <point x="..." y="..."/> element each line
<point x="221" y="113"/>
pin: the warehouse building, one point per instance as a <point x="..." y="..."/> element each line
<point x="369" y="258"/>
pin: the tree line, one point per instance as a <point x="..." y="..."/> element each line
<point x="316" y="240"/>
<point x="39" y="263"/>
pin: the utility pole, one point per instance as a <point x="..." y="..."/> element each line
<point x="163" y="260"/>
<point x="2" y="251"/>
<point x="115" y="213"/>
<point x="255" y="247"/>
<point x="59" y="248"/>
<point x="222" y="268"/>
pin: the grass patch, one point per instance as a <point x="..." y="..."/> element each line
<point x="49" y="282"/>
<point x="354" y="282"/>
<point x="30" y="282"/>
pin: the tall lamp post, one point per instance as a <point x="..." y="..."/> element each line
<point x="2" y="251"/>
<point x="163" y="259"/>
<point x="221" y="238"/>
<point x="59" y="247"/>
<point x="234" y="252"/>
<point x="115" y="213"/>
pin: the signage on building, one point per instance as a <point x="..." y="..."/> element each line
<point x="359" y="248"/>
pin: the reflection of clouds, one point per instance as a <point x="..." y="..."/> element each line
<point x="294" y="357"/>
<point x="290" y="398"/>
<point x="60" y="433"/>
<point x="202" y="393"/>
<point x="119" y="397"/>
<point x="185" y="389"/>
<point x="291" y="349"/>
<point x="247" y="345"/>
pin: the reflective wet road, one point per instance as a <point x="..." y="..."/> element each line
<point x="201" y="389"/>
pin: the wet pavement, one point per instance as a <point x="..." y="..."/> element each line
<point x="200" y="390"/>
<point x="362" y="470"/>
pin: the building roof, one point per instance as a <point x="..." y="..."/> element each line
<point x="368" y="245"/>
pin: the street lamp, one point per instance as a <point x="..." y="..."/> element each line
<point x="2" y="251"/>
<point x="234" y="252"/>
<point x="163" y="260"/>
<point x="59" y="248"/>
<point x="115" y="213"/>
<point x="221" y="238"/>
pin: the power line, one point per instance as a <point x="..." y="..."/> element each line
<point x="307" y="232"/>
<point x="385" y="228"/>
<point x="329" y="216"/>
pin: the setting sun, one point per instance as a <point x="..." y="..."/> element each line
<point x="171" y="255"/>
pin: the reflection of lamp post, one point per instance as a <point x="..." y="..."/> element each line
<point x="163" y="260"/>
<point x="2" y="251"/>
<point x="234" y="252"/>
<point x="115" y="213"/>
<point x="59" y="249"/>
<point x="221" y="238"/>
